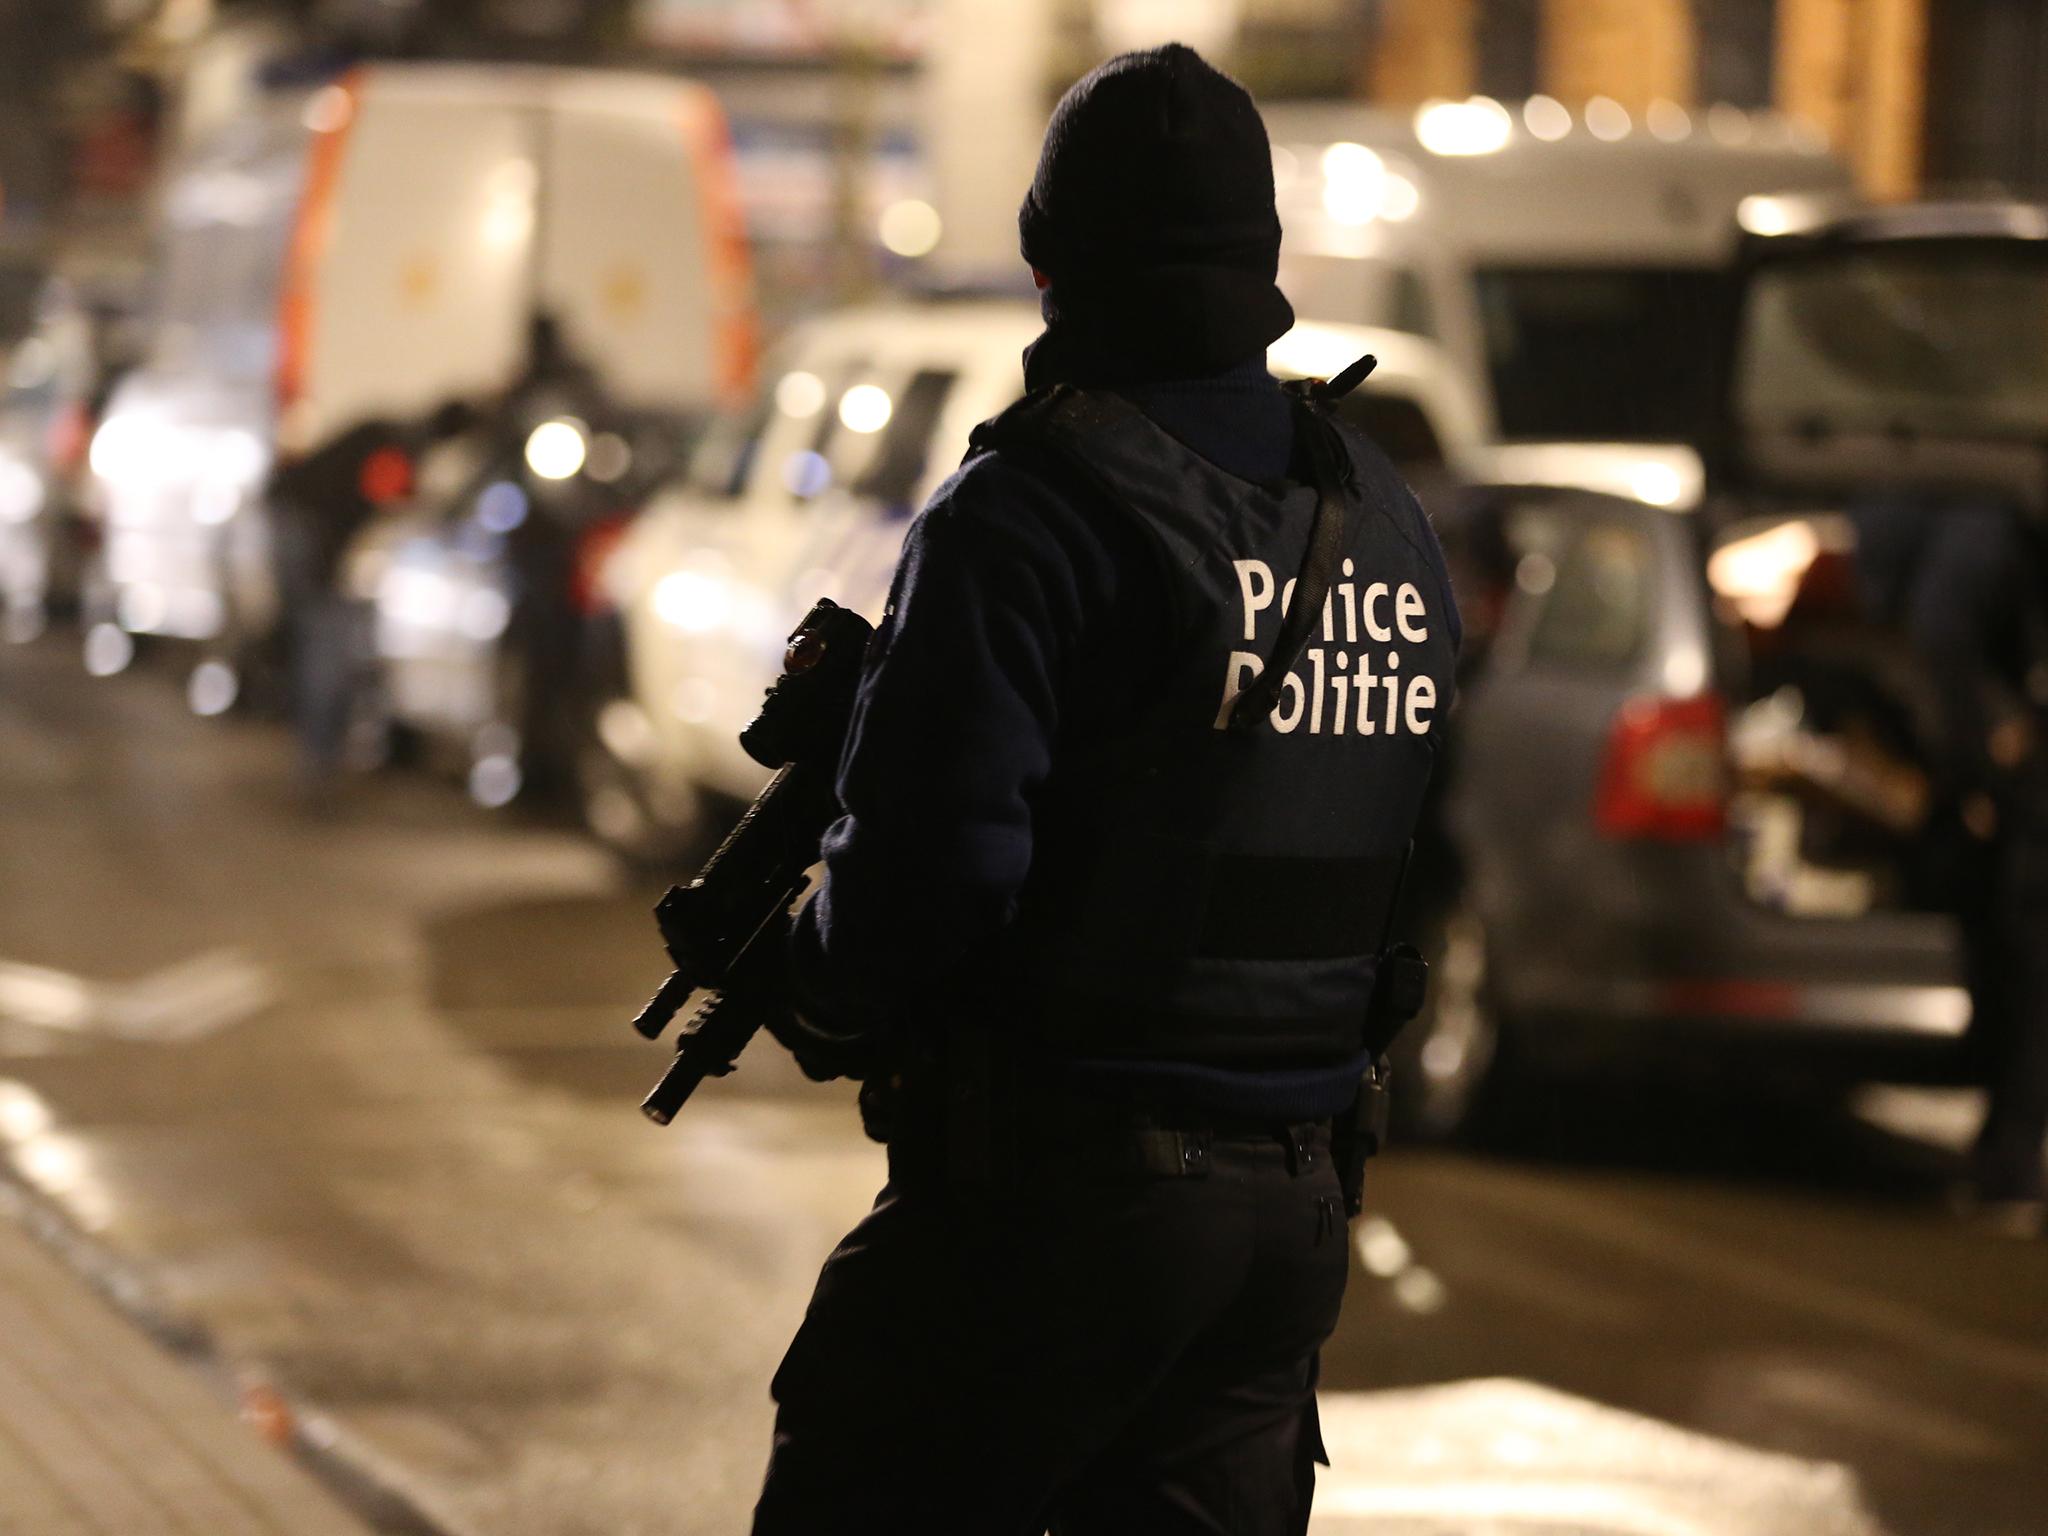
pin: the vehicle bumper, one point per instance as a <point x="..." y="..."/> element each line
<point x="1911" y="1031"/>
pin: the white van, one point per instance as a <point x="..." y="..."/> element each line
<point x="1569" y="265"/>
<point x="808" y="495"/>
<point x="382" y="246"/>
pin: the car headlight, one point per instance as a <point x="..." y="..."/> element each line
<point x="362" y="571"/>
<point x="692" y="601"/>
<point x="21" y="491"/>
<point x="124" y="449"/>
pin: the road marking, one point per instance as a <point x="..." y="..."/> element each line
<point x="1748" y="1273"/>
<point x="181" y="1002"/>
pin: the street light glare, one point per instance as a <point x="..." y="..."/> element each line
<point x="1478" y="125"/>
<point x="1546" y="118"/>
<point x="1354" y="183"/>
<point x="1607" y="119"/>
<point x="800" y="394"/>
<point x="1668" y="121"/>
<point x="910" y="228"/>
<point x="865" y="408"/>
<point x="556" y="449"/>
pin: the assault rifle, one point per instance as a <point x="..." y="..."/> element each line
<point x="724" y="930"/>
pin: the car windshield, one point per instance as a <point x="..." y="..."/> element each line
<point x="1601" y="354"/>
<point x="1936" y="338"/>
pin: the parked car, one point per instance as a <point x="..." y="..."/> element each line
<point x="1568" y="265"/>
<point x="480" y="592"/>
<point x="52" y="387"/>
<point x="378" y="247"/>
<point x="1688" y="791"/>
<point x="21" y="480"/>
<point x="808" y="495"/>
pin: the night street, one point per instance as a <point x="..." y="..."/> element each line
<point x="355" y="1097"/>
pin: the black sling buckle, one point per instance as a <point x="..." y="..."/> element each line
<point x="1329" y="465"/>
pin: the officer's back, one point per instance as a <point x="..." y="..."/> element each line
<point x="1118" y="850"/>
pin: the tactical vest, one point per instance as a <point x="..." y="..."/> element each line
<point x="1217" y="895"/>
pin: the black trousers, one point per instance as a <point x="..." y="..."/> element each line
<point x="1093" y="1352"/>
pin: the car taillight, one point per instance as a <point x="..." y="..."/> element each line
<point x="385" y="476"/>
<point x="593" y="549"/>
<point x="1665" y="774"/>
<point x="69" y="437"/>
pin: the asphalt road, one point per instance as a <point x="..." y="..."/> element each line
<point x="356" y="1095"/>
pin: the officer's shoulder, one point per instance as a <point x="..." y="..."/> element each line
<point x="1031" y="438"/>
<point x="1007" y="483"/>
<point x="1385" y="487"/>
<point x="1062" y="411"/>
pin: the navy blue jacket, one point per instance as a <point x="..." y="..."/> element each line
<point x="1014" y="602"/>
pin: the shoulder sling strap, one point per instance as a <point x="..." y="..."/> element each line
<point x="1330" y="466"/>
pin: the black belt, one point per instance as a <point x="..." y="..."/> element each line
<point x="1163" y="1151"/>
<point x="1100" y="1143"/>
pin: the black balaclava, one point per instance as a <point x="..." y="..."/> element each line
<point x="1152" y="214"/>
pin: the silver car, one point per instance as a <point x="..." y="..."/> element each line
<point x="1689" y="822"/>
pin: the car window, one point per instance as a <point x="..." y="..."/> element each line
<point x="1601" y="353"/>
<point x="894" y="472"/>
<point x="1343" y="287"/>
<point x="1326" y="287"/>
<point x="809" y="398"/>
<point x="1595" y="596"/>
<point x="1408" y="306"/>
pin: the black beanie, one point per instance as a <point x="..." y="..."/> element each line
<point x="1152" y="214"/>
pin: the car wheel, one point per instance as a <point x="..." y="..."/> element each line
<point x="1447" y="1064"/>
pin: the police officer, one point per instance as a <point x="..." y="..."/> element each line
<point x="1136" y="755"/>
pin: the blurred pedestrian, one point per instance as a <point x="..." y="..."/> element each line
<point x="1137" y="752"/>
<point x="1967" y="578"/>
<point x="319" y="501"/>
<point x="545" y="636"/>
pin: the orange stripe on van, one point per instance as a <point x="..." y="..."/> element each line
<point x="737" y="340"/>
<point x="312" y="229"/>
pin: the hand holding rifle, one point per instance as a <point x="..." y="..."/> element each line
<point x="725" y="930"/>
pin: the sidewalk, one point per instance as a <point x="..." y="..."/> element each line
<point x="103" y="1432"/>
